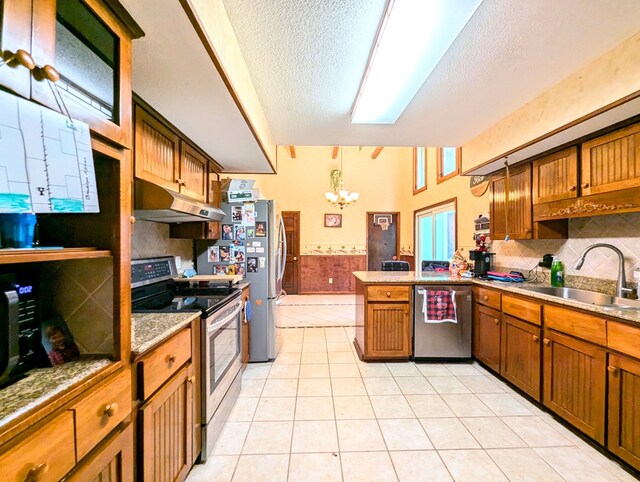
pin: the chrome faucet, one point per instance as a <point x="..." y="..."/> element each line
<point x="622" y="289"/>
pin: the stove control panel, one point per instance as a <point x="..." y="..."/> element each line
<point x="147" y="271"/>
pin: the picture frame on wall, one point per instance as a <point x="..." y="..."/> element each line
<point x="332" y="220"/>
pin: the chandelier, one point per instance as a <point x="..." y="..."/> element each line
<point x="339" y="196"/>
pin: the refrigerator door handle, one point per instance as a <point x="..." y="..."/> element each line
<point x="283" y="250"/>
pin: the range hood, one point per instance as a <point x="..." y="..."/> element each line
<point x="155" y="203"/>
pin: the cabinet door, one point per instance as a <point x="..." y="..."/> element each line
<point x="486" y="336"/>
<point x="574" y="375"/>
<point x="515" y="216"/>
<point x="214" y="193"/>
<point x="112" y="463"/>
<point x="167" y="425"/>
<point x="15" y="34"/>
<point x="520" y="355"/>
<point x="388" y="330"/>
<point x="611" y="162"/>
<point x="157" y="152"/>
<point x="624" y="409"/>
<point x="555" y="177"/>
<point x="193" y="173"/>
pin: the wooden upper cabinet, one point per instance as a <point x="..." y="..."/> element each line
<point x="193" y="170"/>
<point x="214" y="193"/>
<point x="555" y="177"/>
<point x="157" y="151"/>
<point x="82" y="55"/>
<point x="611" y="162"/>
<point x="512" y="214"/>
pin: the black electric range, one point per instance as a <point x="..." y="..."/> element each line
<point x="154" y="291"/>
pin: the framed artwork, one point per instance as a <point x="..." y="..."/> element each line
<point x="333" y="220"/>
<point x="261" y="229"/>
<point x="58" y="341"/>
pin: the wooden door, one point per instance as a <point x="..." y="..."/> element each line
<point x="624" y="409"/>
<point x="486" y="336"/>
<point x="389" y="330"/>
<point x="15" y="34"/>
<point x="291" y="279"/>
<point x="157" y="152"/>
<point x="574" y="374"/>
<point x="167" y="421"/>
<point x="520" y="355"/>
<point x="514" y="218"/>
<point x="611" y="162"/>
<point x="112" y="463"/>
<point x="555" y="177"/>
<point x="192" y="176"/>
<point x="382" y="245"/>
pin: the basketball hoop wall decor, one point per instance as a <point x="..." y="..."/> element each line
<point x="382" y="220"/>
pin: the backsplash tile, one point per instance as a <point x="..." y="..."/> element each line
<point x="151" y="239"/>
<point x="620" y="230"/>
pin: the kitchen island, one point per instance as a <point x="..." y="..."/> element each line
<point x="384" y="307"/>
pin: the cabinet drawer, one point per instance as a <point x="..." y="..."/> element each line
<point x="523" y="309"/>
<point x="100" y="412"/>
<point x="580" y="325"/>
<point x="489" y="298"/>
<point x="388" y="293"/>
<point x="156" y="367"/>
<point x="46" y="455"/>
<point x="624" y="338"/>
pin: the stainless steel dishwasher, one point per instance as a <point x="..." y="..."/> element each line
<point x="444" y="340"/>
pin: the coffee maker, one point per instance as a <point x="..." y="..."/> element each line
<point x="482" y="262"/>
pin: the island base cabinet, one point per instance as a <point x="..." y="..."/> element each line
<point x="575" y="382"/>
<point x="388" y="330"/>
<point x="520" y="355"/>
<point x="486" y="336"/>
<point x="167" y="424"/>
<point x="624" y="409"/>
<point x="113" y="463"/>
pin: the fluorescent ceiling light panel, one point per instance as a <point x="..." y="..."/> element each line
<point x="413" y="37"/>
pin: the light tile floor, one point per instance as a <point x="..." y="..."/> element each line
<point x="319" y="414"/>
<point x="299" y="311"/>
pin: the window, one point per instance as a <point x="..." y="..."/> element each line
<point x="435" y="228"/>
<point x="419" y="169"/>
<point x="448" y="160"/>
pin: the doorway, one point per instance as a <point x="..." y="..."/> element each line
<point x="291" y="279"/>
<point x="382" y="244"/>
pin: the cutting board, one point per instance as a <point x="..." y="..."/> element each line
<point x="216" y="278"/>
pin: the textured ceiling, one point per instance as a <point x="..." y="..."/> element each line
<point x="306" y="59"/>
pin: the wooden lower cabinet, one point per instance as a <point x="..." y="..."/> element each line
<point x="486" y="336"/>
<point x="624" y="409"/>
<point x="575" y="382"/>
<point x="166" y="421"/>
<point x="388" y="328"/>
<point x="112" y="463"/>
<point x="520" y="355"/>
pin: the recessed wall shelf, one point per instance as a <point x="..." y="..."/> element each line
<point x="30" y="255"/>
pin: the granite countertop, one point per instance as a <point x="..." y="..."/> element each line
<point x="409" y="277"/>
<point x="42" y="385"/>
<point x="151" y="329"/>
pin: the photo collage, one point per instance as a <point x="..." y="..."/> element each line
<point x="238" y="255"/>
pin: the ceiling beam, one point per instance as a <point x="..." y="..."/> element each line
<point x="376" y="152"/>
<point x="334" y="154"/>
<point x="292" y="151"/>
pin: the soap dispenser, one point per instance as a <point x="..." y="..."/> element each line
<point x="557" y="273"/>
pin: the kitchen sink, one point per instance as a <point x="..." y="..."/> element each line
<point x="585" y="296"/>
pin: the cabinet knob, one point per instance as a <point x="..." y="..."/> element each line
<point x="171" y="359"/>
<point x="496" y="320"/>
<point x="485" y="298"/>
<point x="111" y="409"/>
<point x="36" y="473"/>
<point x="572" y="188"/>
<point x="388" y="294"/>
<point x="21" y="57"/>
<point x="546" y="341"/>
<point x="613" y="370"/>
<point x="48" y="72"/>
<point x="295" y="258"/>
<point x="179" y="181"/>
<point x="536" y="338"/>
<point x="585" y="185"/>
<point x="132" y="219"/>
<point x="191" y="379"/>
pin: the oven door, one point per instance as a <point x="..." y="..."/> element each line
<point x="221" y="354"/>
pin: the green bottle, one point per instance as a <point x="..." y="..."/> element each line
<point x="557" y="273"/>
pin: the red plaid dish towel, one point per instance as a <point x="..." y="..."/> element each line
<point x="439" y="306"/>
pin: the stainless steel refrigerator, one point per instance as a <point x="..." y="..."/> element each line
<point x="263" y="263"/>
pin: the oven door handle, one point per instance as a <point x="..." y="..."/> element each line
<point x="219" y="324"/>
